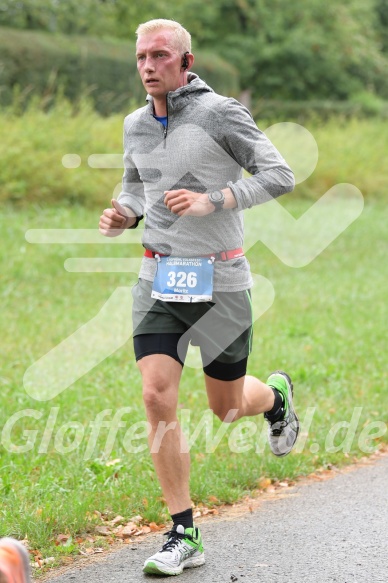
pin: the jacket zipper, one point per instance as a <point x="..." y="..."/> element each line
<point x="166" y="128"/>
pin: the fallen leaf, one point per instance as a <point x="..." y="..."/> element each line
<point x="62" y="539"/>
<point x="89" y="551"/>
<point x="209" y="511"/>
<point x="128" y="530"/>
<point x="117" y="520"/>
<point x="103" y="530"/>
<point x="36" y="553"/>
<point x="145" y="529"/>
<point x="264" y="483"/>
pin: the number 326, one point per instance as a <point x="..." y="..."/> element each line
<point x="182" y="279"/>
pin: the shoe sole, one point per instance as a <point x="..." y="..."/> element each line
<point x="290" y="404"/>
<point x="152" y="568"/>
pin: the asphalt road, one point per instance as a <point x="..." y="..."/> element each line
<point x="331" y="531"/>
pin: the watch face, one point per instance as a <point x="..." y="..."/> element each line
<point x="217" y="196"/>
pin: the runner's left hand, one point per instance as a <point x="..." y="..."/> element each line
<point x="184" y="202"/>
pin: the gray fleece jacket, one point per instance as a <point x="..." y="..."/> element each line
<point x="208" y="142"/>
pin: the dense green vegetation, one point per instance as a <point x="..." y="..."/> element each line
<point x="290" y="50"/>
<point x="33" y="146"/>
<point x="39" y="64"/>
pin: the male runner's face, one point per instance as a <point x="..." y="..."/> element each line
<point x="159" y="63"/>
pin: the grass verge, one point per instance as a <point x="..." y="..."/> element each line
<point x="326" y="327"/>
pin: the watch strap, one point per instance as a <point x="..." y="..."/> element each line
<point x="218" y="204"/>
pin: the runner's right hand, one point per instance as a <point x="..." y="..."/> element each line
<point x="113" y="222"/>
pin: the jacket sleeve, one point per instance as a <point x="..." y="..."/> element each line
<point x="250" y="147"/>
<point x="132" y="190"/>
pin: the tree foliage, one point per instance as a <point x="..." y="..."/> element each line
<point x="382" y="23"/>
<point x="40" y="65"/>
<point x="291" y="50"/>
<point x="296" y="50"/>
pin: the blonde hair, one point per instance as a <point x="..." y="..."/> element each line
<point x="181" y="38"/>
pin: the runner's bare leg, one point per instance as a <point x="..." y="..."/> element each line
<point x="248" y="395"/>
<point x="161" y="376"/>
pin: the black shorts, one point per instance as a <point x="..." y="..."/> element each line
<point x="221" y="328"/>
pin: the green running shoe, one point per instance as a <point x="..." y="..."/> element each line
<point x="183" y="549"/>
<point x="283" y="433"/>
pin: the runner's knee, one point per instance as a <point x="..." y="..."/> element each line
<point x="159" y="396"/>
<point x="226" y="412"/>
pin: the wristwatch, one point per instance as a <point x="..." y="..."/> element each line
<point x="217" y="198"/>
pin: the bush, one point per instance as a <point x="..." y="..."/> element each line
<point x="33" y="145"/>
<point x="370" y="103"/>
<point x="362" y="105"/>
<point x="38" y="64"/>
<point x="32" y="148"/>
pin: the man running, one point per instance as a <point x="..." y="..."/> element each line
<point x="184" y="155"/>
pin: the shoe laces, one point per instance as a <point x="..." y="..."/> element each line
<point x="277" y="427"/>
<point x="173" y="540"/>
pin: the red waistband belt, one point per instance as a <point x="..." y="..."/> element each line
<point x="220" y="256"/>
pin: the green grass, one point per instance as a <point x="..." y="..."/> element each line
<point x="327" y="327"/>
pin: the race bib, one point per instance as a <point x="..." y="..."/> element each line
<point x="183" y="279"/>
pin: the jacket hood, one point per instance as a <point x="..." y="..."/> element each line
<point x="179" y="98"/>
